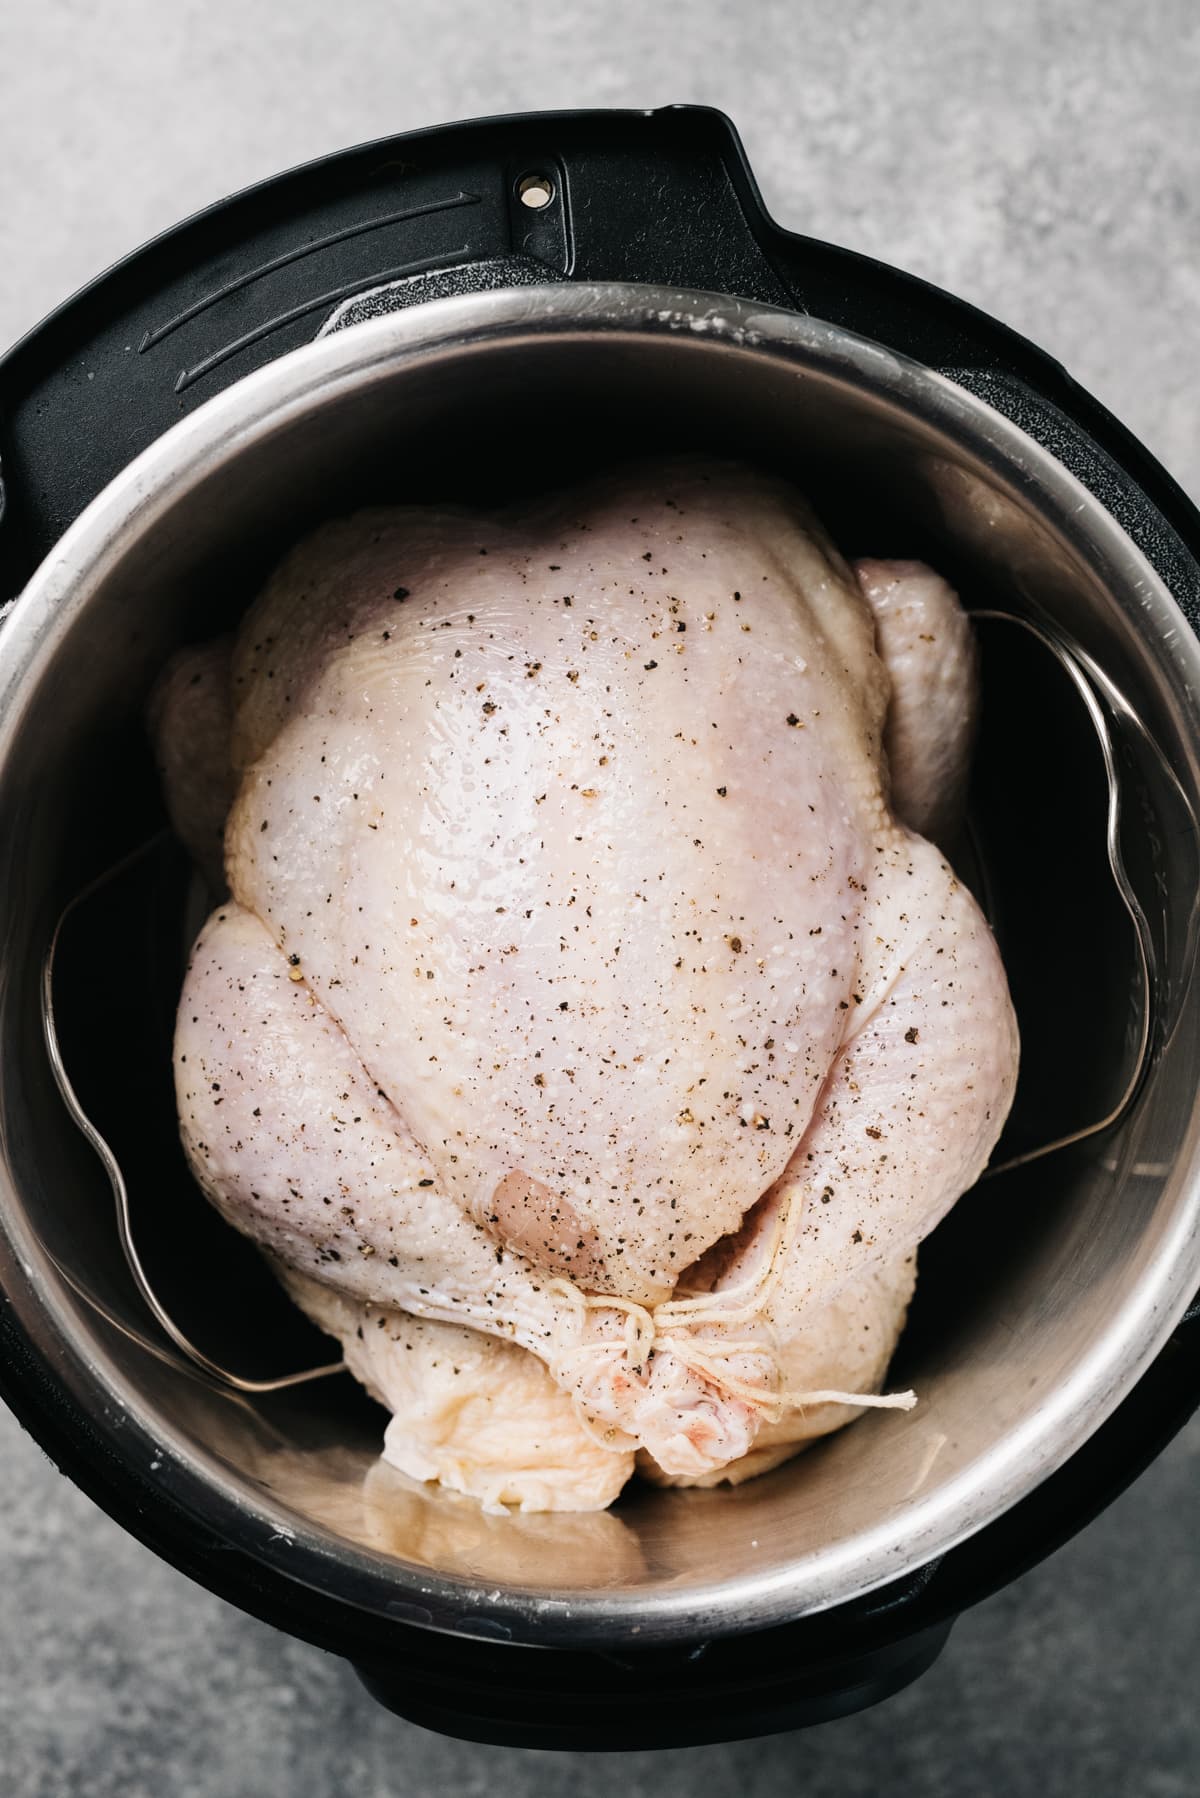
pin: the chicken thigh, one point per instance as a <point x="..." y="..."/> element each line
<point x="579" y="984"/>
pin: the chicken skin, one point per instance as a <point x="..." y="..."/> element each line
<point x="587" y="1016"/>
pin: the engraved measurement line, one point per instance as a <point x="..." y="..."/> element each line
<point x="301" y="250"/>
<point x="188" y="375"/>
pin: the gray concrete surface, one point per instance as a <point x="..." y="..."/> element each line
<point x="1041" y="159"/>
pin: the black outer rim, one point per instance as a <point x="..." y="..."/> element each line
<point x="841" y="1660"/>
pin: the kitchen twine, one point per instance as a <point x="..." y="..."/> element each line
<point x="741" y="1304"/>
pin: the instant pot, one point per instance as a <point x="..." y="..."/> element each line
<point x="479" y="311"/>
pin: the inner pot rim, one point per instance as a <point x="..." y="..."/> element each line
<point x="55" y="600"/>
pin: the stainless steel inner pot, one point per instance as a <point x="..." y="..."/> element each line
<point x="1049" y="1291"/>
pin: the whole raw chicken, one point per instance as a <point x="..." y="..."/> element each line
<point x="590" y="1037"/>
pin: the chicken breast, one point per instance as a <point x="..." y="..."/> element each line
<point x="579" y="983"/>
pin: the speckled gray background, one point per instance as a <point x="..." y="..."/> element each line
<point x="1041" y="159"/>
